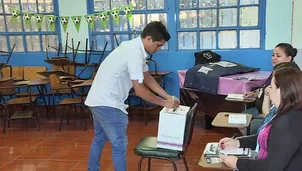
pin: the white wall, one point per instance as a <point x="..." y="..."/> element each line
<point x="297" y="31"/>
<point x="297" y="24"/>
<point x="278" y="22"/>
<point x="74" y="8"/>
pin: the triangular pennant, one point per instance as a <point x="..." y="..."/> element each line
<point x="128" y="11"/>
<point x="51" y="20"/>
<point x="90" y="18"/>
<point x="64" y="21"/>
<point x="39" y="19"/>
<point x="15" y="14"/>
<point x="116" y="15"/>
<point x="103" y="17"/>
<point x="77" y="21"/>
<point x="27" y="18"/>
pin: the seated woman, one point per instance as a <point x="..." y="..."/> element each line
<point x="283" y="52"/>
<point x="268" y="109"/>
<point x="278" y="144"/>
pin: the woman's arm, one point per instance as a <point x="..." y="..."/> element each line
<point x="284" y="141"/>
<point x="266" y="104"/>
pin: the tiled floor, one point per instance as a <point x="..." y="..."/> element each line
<point x="23" y="148"/>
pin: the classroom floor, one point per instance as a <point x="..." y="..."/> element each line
<point x="23" y="148"/>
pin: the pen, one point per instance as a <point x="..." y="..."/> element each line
<point x="234" y="136"/>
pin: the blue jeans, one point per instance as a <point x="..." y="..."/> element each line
<point x="109" y="124"/>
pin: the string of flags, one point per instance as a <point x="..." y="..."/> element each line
<point x="103" y="17"/>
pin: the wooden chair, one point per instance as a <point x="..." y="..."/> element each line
<point x="70" y="101"/>
<point x="11" y="112"/>
<point x="8" y="90"/>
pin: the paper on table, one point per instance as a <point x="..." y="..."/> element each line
<point x="237" y="119"/>
<point x="235" y="151"/>
<point x="235" y="96"/>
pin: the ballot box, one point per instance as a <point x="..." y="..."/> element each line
<point x="171" y="128"/>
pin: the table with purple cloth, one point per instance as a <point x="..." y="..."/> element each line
<point x="210" y="104"/>
<point x="227" y="84"/>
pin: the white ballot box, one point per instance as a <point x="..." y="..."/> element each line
<point x="171" y="128"/>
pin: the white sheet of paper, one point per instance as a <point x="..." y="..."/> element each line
<point x="237" y="119"/>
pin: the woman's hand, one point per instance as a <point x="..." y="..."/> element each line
<point x="229" y="143"/>
<point x="251" y="94"/>
<point x="230" y="161"/>
<point x="267" y="90"/>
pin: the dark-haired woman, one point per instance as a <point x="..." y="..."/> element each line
<point x="283" y="52"/>
<point x="279" y="143"/>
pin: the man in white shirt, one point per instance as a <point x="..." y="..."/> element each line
<point x="124" y="68"/>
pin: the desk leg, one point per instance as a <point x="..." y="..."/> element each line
<point x="208" y="119"/>
<point x="208" y="122"/>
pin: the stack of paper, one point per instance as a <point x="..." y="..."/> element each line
<point x="235" y="96"/>
<point x="212" y="150"/>
<point x="237" y="119"/>
<point x="238" y="97"/>
<point x="235" y="152"/>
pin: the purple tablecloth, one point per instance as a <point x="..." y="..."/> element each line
<point x="228" y="84"/>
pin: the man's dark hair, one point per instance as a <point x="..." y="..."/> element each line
<point x="157" y="30"/>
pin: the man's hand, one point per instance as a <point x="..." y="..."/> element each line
<point x="176" y="99"/>
<point x="171" y="104"/>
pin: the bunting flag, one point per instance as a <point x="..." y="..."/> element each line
<point x="116" y="15"/>
<point x="77" y="22"/>
<point x="103" y="17"/>
<point x="64" y="22"/>
<point x="90" y="18"/>
<point x="128" y="11"/>
<point x="15" y="14"/>
<point x="39" y="19"/>
<point x="27" y="18"/>
<point x="51" y="20"/>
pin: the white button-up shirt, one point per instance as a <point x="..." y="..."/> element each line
<point x="113" y="79"/>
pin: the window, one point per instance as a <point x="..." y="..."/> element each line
<point x="28" y="38"/>
<point x="220" y="24"/>
<point x="144" y="11"/>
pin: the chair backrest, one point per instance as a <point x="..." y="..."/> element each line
<point x="7" y="82"/>
<point x="55" y="82"/>
<point x="190" y="122"/>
